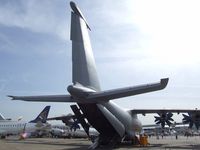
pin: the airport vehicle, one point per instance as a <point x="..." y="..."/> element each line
<point x="71" y="128"/>
<point x="56" y="132"/>
<point x="113" y="123"/>
<point x="63" y="131"/>
<point x="25" y="129"/>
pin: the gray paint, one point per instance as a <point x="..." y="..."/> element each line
<point x="84" y="69"/>
<point x="109" y="119"/>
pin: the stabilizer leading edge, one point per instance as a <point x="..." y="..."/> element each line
<point x="128" y="91"/>
<point x="44" y="98"/>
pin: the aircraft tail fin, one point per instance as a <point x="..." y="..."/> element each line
<point x="83" y="63"/>
<point x="42" y="117"/>
<point x="2" y="117"/>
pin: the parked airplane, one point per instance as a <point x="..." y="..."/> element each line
<point x="72" y="128"/>
<point x="25" y="129"/>
<point x="69" y="120"/>
<point x="64" y="131"/>
<point x="2" y="118"/>
<point x="112" y="122"/>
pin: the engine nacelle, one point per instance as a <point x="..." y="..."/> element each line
<point x="192" y="119"/>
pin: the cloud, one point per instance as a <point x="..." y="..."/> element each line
<point x="172" y="30"/>
<point x="2" y="84"/>
<point x="38" y="16"/>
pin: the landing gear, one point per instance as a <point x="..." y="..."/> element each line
<point x="135" y="141"/>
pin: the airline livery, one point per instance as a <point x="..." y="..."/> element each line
<point x="22" y="128"/>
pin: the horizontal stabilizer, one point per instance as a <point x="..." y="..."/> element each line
<point x="128" y="91"/>
<point x="98" y="97"/>
<point x="44" y="98"/>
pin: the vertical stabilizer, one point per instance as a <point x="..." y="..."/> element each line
<point x="42" y="117"/>
<point x="83" y="64"/>
<point x="2" y="117"/>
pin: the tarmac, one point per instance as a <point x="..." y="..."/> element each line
<point x="167" y="143"/>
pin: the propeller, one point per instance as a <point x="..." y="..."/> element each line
<point x="164" y="118"/>
<point x="192" y="119"/>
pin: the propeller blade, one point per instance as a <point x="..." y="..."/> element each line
<point x="169" y="115"/>
<point x="197" y="125"/>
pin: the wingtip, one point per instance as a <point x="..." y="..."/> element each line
<point x="12" y="97"/>
<point x="164" y="82"/>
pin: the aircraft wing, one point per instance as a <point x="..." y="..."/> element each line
<point x="159" y="111"/>
<point x="65" y="117"/>
<point x="44" y="98"/>
<point x="98" y="97"/>
<point x="128" y="91"/>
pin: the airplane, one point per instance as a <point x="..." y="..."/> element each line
<point x="69" y="120"/>
<point x="113" y="122"/>
<point x="72" y="128"/>
<point x="2" y="118"/>
<point x="25" y="129"/>
<point x="64" y="131"/>
<point x="56" y="132"/>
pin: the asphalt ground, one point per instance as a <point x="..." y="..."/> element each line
<point x="167" y="143"/>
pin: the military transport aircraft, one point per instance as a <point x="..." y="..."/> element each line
<point x="93" y="104"/>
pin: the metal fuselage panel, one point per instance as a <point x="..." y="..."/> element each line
<point x="130" y="121"/>
<point x="100" y="123"/>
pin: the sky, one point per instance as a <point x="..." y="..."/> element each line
<point x="134" y="42"/>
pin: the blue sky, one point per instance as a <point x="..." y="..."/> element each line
<point x="134" y="42"/>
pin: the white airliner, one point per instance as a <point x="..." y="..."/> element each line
<point x="112" y="122"/>
<point x="3" y="119"/>
<point x="22" y="128"/>
<point x="63" y="131"/>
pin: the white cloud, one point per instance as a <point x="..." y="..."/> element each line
<point x="172" y="30"/>
<point x="37" y="16"/>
